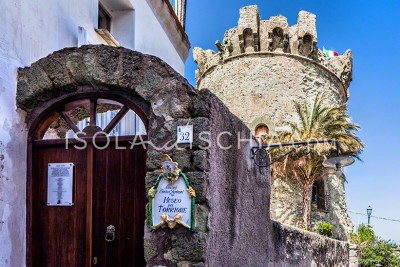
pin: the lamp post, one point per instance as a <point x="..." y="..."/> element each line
<point x="369" y="212"/>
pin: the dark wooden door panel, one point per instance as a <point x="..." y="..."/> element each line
<point x="116" y="180"/>
<point x="119" y="200"/>
<point x="59" y="232"/>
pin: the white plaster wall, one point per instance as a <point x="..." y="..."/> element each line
<point x="136" y="27"/>
<point x="151" y="38"/>
<point x="123" y="28"/>
<point x="31" y="30"/>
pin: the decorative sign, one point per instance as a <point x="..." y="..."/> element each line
<point x="185" y="134"/>
<point x="171" y="199"/>
<point x="60" y="184"/>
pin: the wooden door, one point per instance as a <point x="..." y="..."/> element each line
<point x="119" y="200"/>
<point x="108" y="189"/>
<point x="58" y="233"/>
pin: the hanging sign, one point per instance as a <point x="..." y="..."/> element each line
<point x="171" y="199"/>
<point x="60" y="184"/>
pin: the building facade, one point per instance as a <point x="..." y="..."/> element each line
<point x="31" y="30"/>
<point x="260" y="68"/>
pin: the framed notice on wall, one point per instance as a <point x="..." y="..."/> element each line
<point x="60" y="184"/>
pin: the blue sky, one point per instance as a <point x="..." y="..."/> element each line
<point x="371" y="30"/>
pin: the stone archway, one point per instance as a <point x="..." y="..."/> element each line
<point x="144" y="83"/>
<point x="107" y="69"/>
<point x="224" y="179"/>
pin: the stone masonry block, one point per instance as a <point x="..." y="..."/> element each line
<point x="189" y="247"/>
<point x="199" y="184"/>
<point x="154" y="160"/>
<point x="202" y="212"/>
<point x="183" y="157"/>
<point x="200" y="160"/>
<point x="151" y="178"/>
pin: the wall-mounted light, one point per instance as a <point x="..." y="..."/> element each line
<point x="337" y="164"/>
<point x="260" y="156"/>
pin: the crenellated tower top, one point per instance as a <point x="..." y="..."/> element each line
<point x="274" y="37"/>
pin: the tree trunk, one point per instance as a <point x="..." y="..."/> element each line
<point x="307" y="195"/>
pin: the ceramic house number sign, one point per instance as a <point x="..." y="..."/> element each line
<point x="171" y="198"/>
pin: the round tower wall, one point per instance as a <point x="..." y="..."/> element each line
<point x="261" y="87"/>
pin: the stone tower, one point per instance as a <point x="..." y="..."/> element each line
<point x="261" y="67"/>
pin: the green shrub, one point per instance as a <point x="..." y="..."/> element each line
<point x="379" y="251"/>
<point x="324" y="228"/>
<point x="354" y="238"/>
<point x="374" y="250"/>
<point x="365" y="233"/>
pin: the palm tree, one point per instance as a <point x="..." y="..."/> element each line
<point x="315" y="122"/>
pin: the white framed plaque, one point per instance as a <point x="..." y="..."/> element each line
<point x="185" y="134"/>
<point x="60" y="184"/>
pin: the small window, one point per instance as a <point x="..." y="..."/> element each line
<point x="314" y="197"/>
<point x="306" y="46"/>
<point x="104" y="19"/>
<point x="318" y="197"/>
<point x="248" y="40"/>
<point x="262" y="131"/>
<point x="277" y="40"/>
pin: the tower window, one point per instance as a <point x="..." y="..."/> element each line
<point x="248" y="40"/>
<point x="104" y="20"/>
<point x="314" y="197"/>
<point x="318" y="194"/>
<point x="262" y="131"/>
<point x="277" y="40"/>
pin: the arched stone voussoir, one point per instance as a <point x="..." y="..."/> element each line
<point x="107" y="67"/>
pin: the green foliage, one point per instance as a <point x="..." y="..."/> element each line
<point x="379" y="251"/>
<point x="315" y="121"/>
<point x="324" y="228"/>
<point x="365" y="233"/>
<point x="375" y="250"/>
<point x="354" y="238"/>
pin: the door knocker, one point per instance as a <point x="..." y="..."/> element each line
<point x="110" y="233"/>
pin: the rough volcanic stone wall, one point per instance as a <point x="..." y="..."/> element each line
<point x="232" y="196"/>
<point x="260" y="84"/>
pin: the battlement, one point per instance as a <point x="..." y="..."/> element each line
<point x="273" y="36"/>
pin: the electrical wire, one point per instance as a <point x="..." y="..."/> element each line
<point x="376" y="217"/>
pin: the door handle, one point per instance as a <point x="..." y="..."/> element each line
<point x="110" y="233"/>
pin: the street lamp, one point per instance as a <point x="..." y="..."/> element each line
<point x="369" y="212"/>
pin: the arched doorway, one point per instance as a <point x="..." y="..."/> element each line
<point x="63" y="81"/>
<point x="98" y="215"/>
